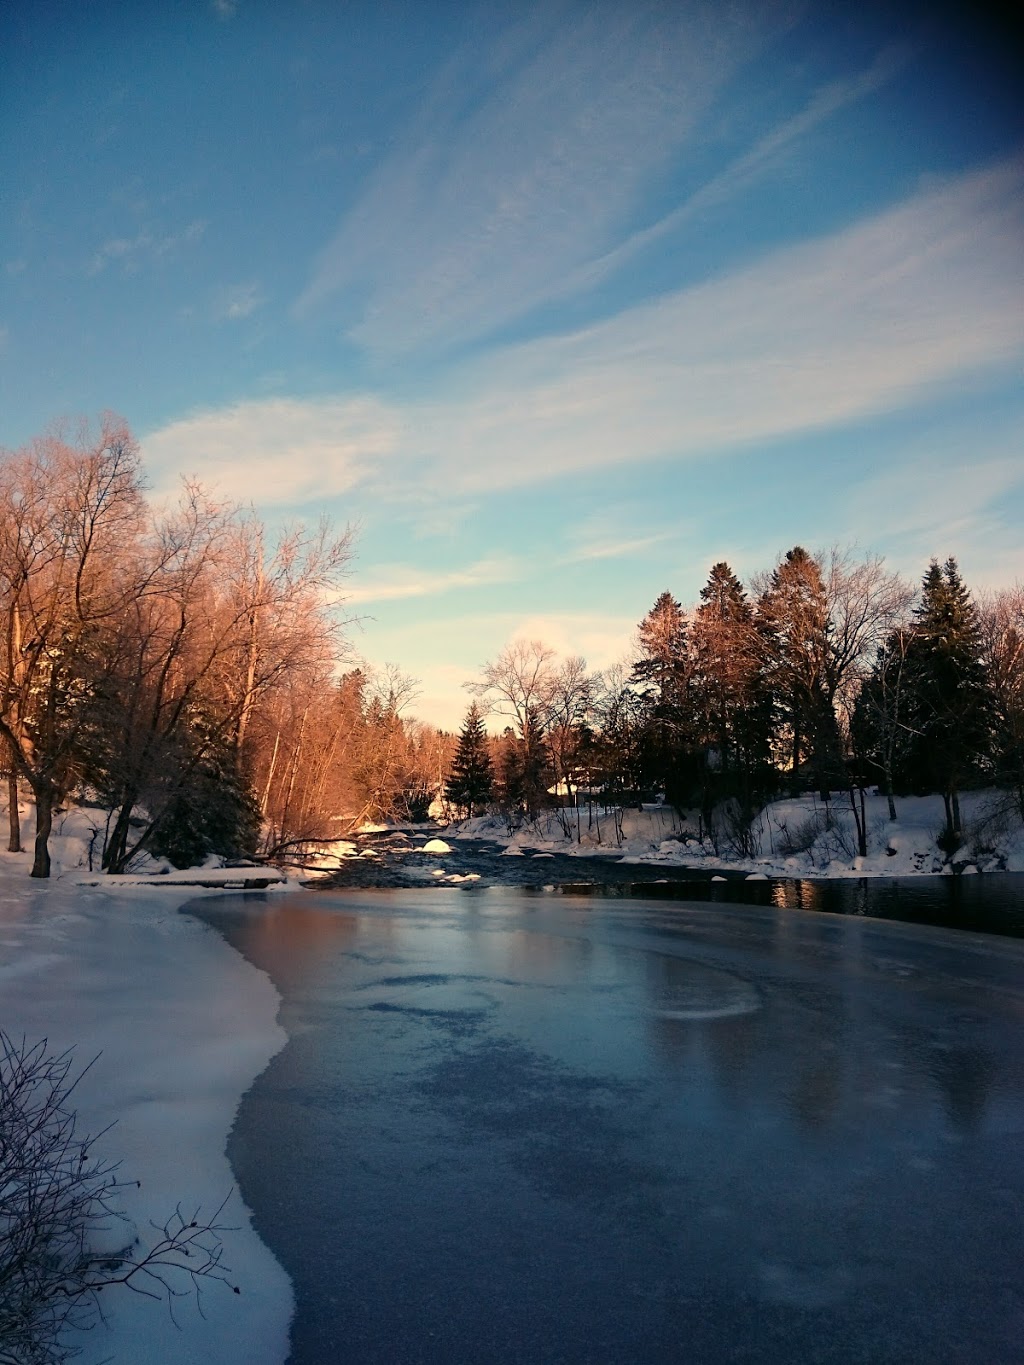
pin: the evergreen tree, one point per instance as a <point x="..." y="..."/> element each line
<point x="951" y="709"/>
<point x="661" y="675"/>
<point x="208" y="806"/>
<point x="524" y="769"/>
<point x="731" y="716"/>
<point x="471" y="781"/>
<point x="535" y="769"/>
<point x="794" y="619"/>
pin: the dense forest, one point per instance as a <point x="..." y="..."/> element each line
<point x="189" y="677"/>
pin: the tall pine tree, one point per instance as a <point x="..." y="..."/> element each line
<point x="793" y="615"/>
<point x="950" y="703"/>
<point x="731" y="714"/>
<point x="661" y="674"/>
<point x="470" y="781"/>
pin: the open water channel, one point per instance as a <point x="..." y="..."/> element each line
<point x="511" y="1126"/>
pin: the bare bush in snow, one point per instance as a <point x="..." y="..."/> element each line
<point x="63" y="1239"/>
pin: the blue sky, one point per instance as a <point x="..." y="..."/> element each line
<point x="559" y="304"/>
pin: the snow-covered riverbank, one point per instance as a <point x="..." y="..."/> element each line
<point x="797" y="838"/>
<point x="181" y="1025"/>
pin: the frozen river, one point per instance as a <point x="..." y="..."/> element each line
<point x="514" y="1128"/>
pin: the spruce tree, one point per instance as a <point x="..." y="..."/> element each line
<point x="950" y="703"/>
<point x="661" y="674"/>
<point x="794" y="620"/>
<point x="470" y="781"/>
<point x="535" y="765"/>
<point x="730" y="709"/>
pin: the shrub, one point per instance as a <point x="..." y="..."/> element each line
<point x="800" y="838"/>
<point x="58" y="1204"/>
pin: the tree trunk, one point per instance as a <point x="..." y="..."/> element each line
<point x="13" y="818"/>
<point x="44" y="823"/>
<point x="957" y="826"/>
<point x="113" y="854"/>
<point x="859" y="821"/>
<point x="949" y="814"/>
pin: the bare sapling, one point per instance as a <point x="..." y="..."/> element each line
<point x="60" y="1217"/>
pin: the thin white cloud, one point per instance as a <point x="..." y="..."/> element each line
<point x="878" y="317"/>
<point x="527" y="160"/>
<point x="400" y="581"/>
<point x="192" y="232"/>
<point x="948" y="497"/>
<point x="276" y="451"/>
<point x="826" y="102"/>
<point x="132" y="252"/>
<point x="616" y="549"/>
<point x="118" y="249"/>
<point x="814" y="336"/>
<point x="238" y="301"/>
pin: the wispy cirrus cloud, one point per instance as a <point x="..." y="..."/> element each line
<point x="527" y="160"/>
<point x="275" y="451"/>
<point x="939" y="503"/>
<point x="615" y="548"/>
<point x="394" y="582"/>
<point x="238" y="301"/>
<point x="131" y="253"/>
<point x="819" y="335"/>
<point x="926" y="295"/>
<point x="765" y="154"/>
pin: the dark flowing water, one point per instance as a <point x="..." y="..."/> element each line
<point x="514" y="1128"/>
<point x="991" y="903"/>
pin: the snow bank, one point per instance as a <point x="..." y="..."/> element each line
<point x="801" y="837"/>
<point x="182" y="1025"/>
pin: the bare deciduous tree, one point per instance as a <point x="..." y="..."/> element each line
<point x="518" y="683"/>
<point x="70" y="517"/>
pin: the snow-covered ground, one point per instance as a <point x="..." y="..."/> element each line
<point x="180" y="1025"/>
<point x="801" y="837"/>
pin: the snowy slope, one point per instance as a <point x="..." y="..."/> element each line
<point x="793" y="838"/>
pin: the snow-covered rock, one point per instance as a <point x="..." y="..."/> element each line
<point x="436" y="846"/>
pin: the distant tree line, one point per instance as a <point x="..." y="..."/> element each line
<point x="831" y="673"/>
<point x="181" y="669"/>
